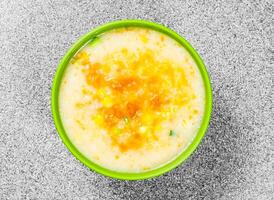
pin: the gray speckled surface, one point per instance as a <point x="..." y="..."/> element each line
<point x="236" y="42"/>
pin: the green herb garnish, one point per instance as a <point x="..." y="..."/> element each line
<point x="172" y="133"/>
<point x="126" y="120"/>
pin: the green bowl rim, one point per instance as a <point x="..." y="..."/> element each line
<point x="89" y="37"/>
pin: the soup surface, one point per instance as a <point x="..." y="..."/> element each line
<point x="132" y="99"/>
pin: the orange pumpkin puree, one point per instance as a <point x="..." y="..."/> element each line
<point x="142" y="92"/>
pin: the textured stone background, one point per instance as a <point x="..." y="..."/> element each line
<point x="236" y="42"/>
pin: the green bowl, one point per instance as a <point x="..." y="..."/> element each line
<point x="92" y="36"/>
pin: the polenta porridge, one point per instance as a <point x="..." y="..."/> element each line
<point x="132" y="100"/>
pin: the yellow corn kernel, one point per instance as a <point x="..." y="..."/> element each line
<point x="98" y="119"/>
<point x="144" y="38"/>
<point x="143" y="129"/>
<point x="107" y="101"/>
<point x="147" y="118"/>
<point x="117" y="131"/>
<point x="101" y="93"/>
